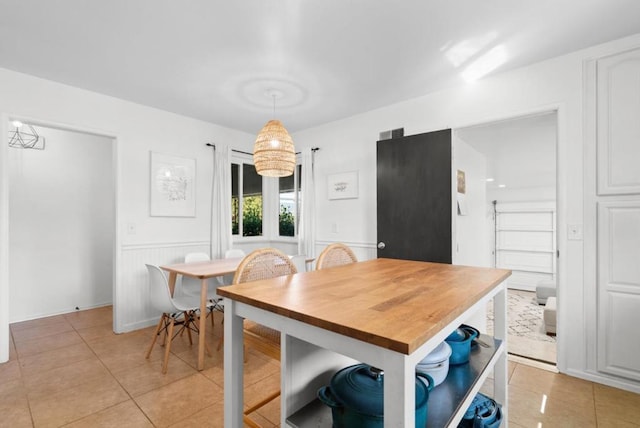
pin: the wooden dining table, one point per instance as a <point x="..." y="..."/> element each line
<point x="202" y="271"/>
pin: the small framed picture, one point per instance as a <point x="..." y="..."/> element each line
<point x="173" y="181"/>
<point x="462" y="184"/>
<point x="343" y="185"/>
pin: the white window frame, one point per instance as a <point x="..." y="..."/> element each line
<point x="270" y="205"/>
<point x="296" y="204"/>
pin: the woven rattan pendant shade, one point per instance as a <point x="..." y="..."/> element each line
<point x="273" y="152"/>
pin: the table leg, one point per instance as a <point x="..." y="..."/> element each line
<point x="399" y="385"/>
<point x="233" y="367"/>
<point x="172" y="281"/>
<point x="203" y="319"/>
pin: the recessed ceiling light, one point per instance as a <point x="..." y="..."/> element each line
<point x="502" y="186"/>
<point x="16" y="123"/>
<point x="489" y="180"/>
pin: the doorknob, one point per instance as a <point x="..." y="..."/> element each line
<point x="381" y="245"/>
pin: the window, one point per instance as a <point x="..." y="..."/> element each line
<point x="246" y="200"/>
<point x="290" y="203"/>
<point x="268" y="207"/>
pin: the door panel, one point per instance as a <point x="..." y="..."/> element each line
<point x="414" y="197"/>
<point x="619" y="288"/>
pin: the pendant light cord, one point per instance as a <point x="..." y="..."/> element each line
<point x="274" y="105"/>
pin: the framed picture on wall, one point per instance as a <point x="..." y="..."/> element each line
<point x="173" y="186"/>
<point x="343" y="185"/>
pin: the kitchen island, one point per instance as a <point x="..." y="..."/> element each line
<point x="384" y="312"/>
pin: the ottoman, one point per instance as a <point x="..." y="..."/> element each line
<point x="544" y="290"/>
<point x="549" y="316"/>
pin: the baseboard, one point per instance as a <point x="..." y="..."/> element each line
<point x="627" y="385"/>
<point x="138" y="325"/>
<point x="533" y="363"/>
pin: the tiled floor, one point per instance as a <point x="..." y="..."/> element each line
<point x="71" y="370"/>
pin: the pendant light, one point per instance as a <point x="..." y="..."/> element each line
<point x="273" y="152"/>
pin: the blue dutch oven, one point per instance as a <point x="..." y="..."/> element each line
<point x="355" y="395"/>
<point x="460" y="342"/>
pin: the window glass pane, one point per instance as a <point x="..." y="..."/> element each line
<point x="235" y="201"/>
<point x="287" y="206"/>
<point x="251" y="201"/>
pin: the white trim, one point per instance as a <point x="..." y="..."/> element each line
<point x="153" y="245"/>
<point x="615" y="382"/>
<point x="38" y="316"/>
<point x="367" y="245"/>
<point x="138" y="325"/>
<point x="4" y="243"/>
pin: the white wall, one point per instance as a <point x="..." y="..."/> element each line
<point x="62" y="218"/>
<point x="137" y="130"/>
<point x="469" y="232"/>
<point x="556" y="84"/>
<point x="521" y="154"/>
<point x="470" y="240"/>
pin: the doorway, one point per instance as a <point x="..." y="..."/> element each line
<point x="61" y="220"/>
<point x="521" y="201"/>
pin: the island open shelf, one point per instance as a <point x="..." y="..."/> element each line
<point x="445" y="401"/>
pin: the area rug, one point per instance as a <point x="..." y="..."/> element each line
<point x="526" y="332"/>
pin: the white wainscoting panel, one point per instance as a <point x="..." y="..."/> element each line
<point x="134" y="311"/>
<point x="619" y="288"/>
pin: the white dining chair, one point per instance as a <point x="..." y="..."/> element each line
<point x="300" y="261"/>
<point x="193" y="287"/>
<point x="230" y="254"/>
<point x="179" y="310"/>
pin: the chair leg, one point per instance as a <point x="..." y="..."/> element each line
<point x="245" y="416"/>
<point x="155" y="336"/>
<point x="168" y="347"/>
<point x="188" y="319"/>
<point x="250" y="422"/>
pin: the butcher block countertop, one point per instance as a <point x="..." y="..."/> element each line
<point x="395" y="304"/>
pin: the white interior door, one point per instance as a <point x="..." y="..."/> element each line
<point x="618" y="211"/>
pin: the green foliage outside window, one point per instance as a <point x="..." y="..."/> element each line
<point x="287" y="221"/>
<point x="235" y="204"/>
<point x="252" y="216"/>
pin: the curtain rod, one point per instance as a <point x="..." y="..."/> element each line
<point x="313" y="149"/>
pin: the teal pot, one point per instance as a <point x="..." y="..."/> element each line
<point x="355" y="396"/>
<point x="460" y="342"/>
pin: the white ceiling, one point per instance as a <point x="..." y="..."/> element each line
<point x="215" y="60"/>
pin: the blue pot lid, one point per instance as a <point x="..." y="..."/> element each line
<point x="463" y="333"/>
<point x="361" y="388"/>
<point x="457" y="336"/>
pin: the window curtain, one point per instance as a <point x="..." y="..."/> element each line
<point x="307" y="226"/>
<point x="221" y="202"/>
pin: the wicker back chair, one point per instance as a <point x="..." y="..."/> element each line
<point x="335" y="255"/>
<point x="264" y="263"/>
